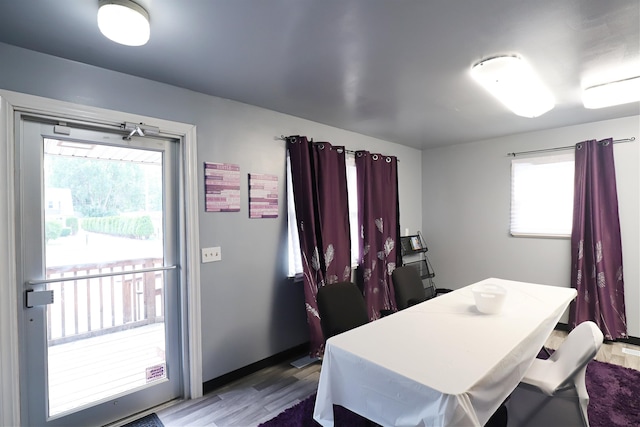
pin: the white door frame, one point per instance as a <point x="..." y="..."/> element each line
<point x="10" y="102"/>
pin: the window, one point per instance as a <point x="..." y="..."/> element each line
<point x="295" y="259"/>
<point x="352" y="190"/>
<point x="542" y="196"/>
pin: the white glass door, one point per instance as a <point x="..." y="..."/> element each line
<point x="98" y="263"/>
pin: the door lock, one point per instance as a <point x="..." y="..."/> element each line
<point x="37" y="298"/>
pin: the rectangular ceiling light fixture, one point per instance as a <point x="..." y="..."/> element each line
<point x="614" y="93"/>
<point x="514" y="83"/>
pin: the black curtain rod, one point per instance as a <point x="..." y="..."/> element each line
<point x="568" y="147"/>
<point x="284" y="138"/>
<point x="544" y="150"/>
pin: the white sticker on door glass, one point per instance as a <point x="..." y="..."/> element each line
<point x="156" y="372"/>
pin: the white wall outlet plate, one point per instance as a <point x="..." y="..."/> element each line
<point x="211" y="254"/>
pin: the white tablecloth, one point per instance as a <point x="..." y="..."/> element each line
<point x="441" y="362"/>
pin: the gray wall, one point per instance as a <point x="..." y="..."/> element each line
<point x="250" y="311"/>
<point x="466" y="208"/>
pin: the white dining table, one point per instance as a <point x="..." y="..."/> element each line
<point x="441" y="362"/>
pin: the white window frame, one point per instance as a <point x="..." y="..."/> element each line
<point x="542" y="196"/>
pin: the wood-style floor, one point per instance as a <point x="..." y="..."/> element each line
<point x="249" y="401"/>
<point x="622" y="354"/>
<point x="264" y="394"/>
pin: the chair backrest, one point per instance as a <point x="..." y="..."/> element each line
<point x="575" y="352"/>
<point x="408" y="287"/>
<point x="341" y="307"/>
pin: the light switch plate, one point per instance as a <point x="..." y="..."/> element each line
<point x="211" y="254"/>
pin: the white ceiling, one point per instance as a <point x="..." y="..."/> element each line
<point x="393" y="69"/>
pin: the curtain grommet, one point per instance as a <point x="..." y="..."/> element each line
<point x="388" y="159"/>
<point x="374" y="157"/>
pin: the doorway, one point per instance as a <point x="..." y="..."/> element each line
<point x="98" y="264"/>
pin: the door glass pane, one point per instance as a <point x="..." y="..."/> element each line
<point x="103" y="218"/>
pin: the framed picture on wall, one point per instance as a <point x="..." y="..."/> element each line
<point x="263" y="196"/>
<point x="416" y="245"/>
<point x="221" y="187"/>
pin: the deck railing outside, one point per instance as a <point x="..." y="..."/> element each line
<point x="89" y="307"/>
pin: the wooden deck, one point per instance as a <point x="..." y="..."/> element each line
<point x="92" y="369"/>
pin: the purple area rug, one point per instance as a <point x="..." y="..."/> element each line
<point x="614" y="395"/>
<point x="614" y="400"/>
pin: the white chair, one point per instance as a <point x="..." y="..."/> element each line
<point x="553" y="391"/>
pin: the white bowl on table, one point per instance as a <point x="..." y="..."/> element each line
<point x="489" y="297"/>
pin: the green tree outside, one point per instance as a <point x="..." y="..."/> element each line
<point x="104" y="187"/>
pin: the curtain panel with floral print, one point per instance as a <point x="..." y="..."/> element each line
<point x="319" y="181"/>
<point x="379" y="222"/>
<point x="596" y="248"/>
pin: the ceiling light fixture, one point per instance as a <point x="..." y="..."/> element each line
<point x="124" y="22"/>
<point x="514" y="83"/>
<point x="614" y="93"/>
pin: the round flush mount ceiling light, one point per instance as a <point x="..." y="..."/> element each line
<point x="124" y="22"/>
<point x="513" y="82"/>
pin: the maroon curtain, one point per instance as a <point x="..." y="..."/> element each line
<point x="319" y="180"/>
<point x="596" y="248"/>
<point x="379" y="223"/>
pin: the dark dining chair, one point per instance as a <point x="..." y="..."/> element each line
<point x="341" y="307"/>
<point x="409" y="289"/>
